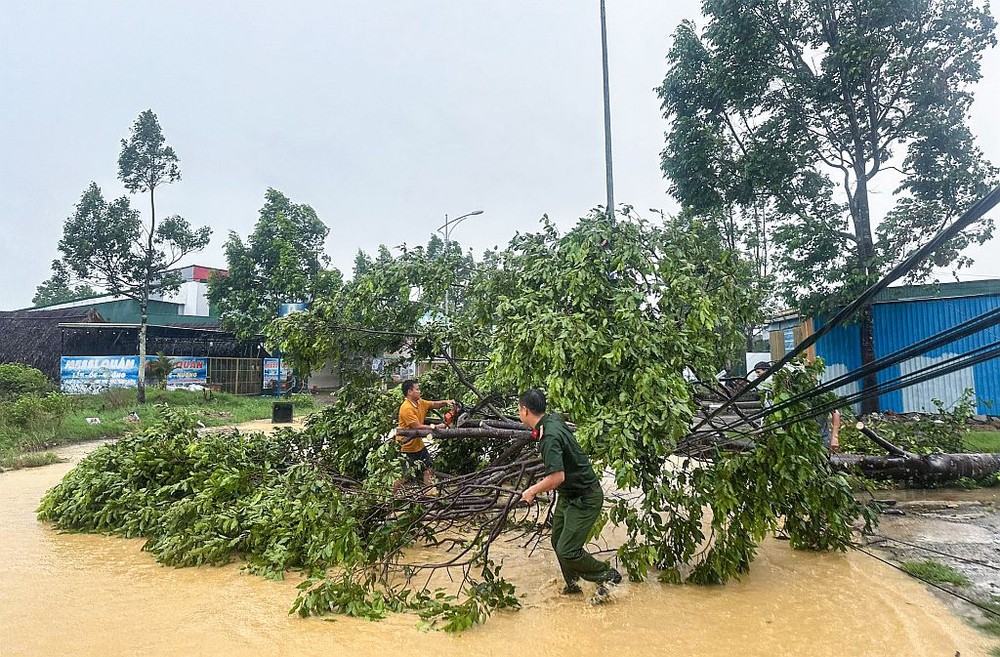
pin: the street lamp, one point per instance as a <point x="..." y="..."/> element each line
<point x="446" y="231"/>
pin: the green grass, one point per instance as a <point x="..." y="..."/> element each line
<point x="13" y="461"/>
<point x="992" y="624"/>
<point x="113" y="409"/>
<point x="982" y="441"/>
<point x="935" y="572"/>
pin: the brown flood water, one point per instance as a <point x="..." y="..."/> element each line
<point x="66" y="594"/>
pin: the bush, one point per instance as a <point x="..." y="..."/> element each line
<point x="34" y="412"/>
<point x="17" y="379"/>
<point x="118" y="398"/>
<point x="941" y="432"/>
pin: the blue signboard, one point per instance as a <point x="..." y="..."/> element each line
<point x="285" y="309"/>
<point x="187" y="371"/>
<point x="84" y="375"/>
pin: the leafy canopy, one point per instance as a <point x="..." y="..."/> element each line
<point x="281" y="261"/>
<point x="57" y="288"/>
<point x="606" y="320"/>
<point x="793" y="111"/>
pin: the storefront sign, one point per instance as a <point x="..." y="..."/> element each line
<point x="82" y="375"/>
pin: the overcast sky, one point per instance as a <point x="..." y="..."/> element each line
<point x="383" y="115"/>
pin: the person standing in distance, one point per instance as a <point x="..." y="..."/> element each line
<point x="413" y="415"/>
<point x="580" y="498"/>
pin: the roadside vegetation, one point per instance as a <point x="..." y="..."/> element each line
<point x="35" y="418"/>
<point x="981" y="440"/>
<point x="936" y="572"/>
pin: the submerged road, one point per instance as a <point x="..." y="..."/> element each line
<point x="70" y="594"/>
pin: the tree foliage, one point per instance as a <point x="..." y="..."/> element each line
<point x="270" y="499"/>
<point x="57" y="288"/>
<point x="606" y="318"/>
<point x="107" y="243"/>
<point x="281" y="261"/>
<point x="798" y="112"/>
<point x="393" y="304"/>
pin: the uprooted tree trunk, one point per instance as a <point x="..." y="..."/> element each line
<point x="735" y="430"/>
<point x="933" y="468"/>
<point x="902" y="465"/>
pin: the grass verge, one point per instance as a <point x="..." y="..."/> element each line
<point x="116" y="413"/>
<point x="982" y="441"/>
<point x="936" y="572"/>
<point x="14" y="461"/>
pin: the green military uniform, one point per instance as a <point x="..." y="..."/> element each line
<point x="579" y="502"/>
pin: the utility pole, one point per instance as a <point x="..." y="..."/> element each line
<point x="607" y="117"/>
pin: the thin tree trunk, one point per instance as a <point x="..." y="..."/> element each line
<point x="143" y="320"/>
<point x="144" y="300"/>
<point x="870" y="401"/>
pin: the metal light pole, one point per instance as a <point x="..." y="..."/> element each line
<point x="446" y="231"/>
<point x="607" y="117"/>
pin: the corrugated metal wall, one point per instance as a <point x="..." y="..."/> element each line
<point x="899" y="325"/>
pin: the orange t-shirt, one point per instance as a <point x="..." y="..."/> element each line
<point x="411" y="414"/>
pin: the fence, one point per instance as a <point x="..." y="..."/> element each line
<point x="240" y="376"/>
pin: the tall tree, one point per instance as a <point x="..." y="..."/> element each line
<point x="109" y="245"/>
<point x="57" y="288"/>
<point x="281" y="261"/>
<point x="145" y="163"/>
<point x="797" y="108"/>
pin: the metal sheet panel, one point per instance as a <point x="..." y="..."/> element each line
<point x="840" y="353"/>
<point x="899" y="325"/>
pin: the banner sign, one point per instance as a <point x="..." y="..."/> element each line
<point x="88" y="375"/>
<point x="286" y="309"/>
<point x="187" y="371"/>
<point x="271" y="366"/>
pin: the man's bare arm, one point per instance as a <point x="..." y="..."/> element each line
<point x="550" y="482"/>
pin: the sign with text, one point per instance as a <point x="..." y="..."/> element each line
<point x="272" y="366"/>
<point x="286" y="309"/>
<point x="88" y="375"/>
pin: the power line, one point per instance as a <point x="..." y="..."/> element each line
<point x="930" y="583"/>
<point x="978" y="209"/>
<point x="985" y="564"/>
<point x="979" y="323"/>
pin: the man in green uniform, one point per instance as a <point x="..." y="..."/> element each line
<point x="568" y="471"/>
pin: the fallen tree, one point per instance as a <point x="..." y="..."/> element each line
<point x="929" y="469"/>
<point x="605" y="319"/>
<point x="903" y="465"/>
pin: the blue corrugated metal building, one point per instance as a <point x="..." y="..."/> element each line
<point x="905" y="315"/>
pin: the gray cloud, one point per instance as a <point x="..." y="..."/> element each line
<point x="382" y="115"/>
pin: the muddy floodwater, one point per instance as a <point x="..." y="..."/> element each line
<point x="70" y="594"/>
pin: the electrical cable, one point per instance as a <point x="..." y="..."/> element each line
<point x="930" y="583"/>
<point x="975" y="212"/>
<point x="948" y="366"/>
<point x="910" y="378"/>
<point x="956" y="363"/>
<point x="964" y="329"/>
<point x="985" y="564"/>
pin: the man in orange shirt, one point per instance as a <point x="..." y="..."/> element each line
<point x="412" y="415"/>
